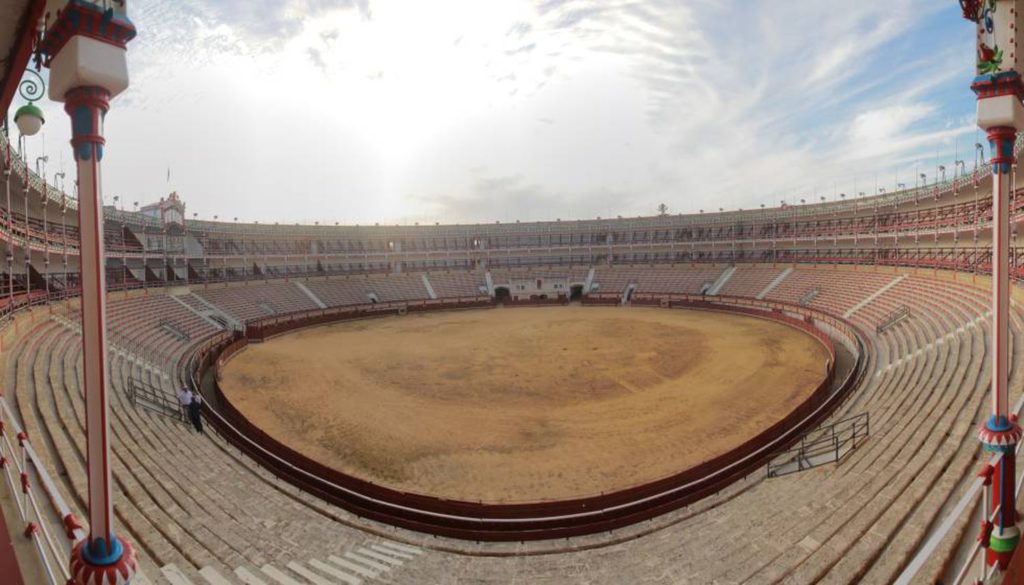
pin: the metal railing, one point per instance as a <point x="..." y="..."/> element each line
<point x="980" y="484"/>
<point x="145" y="395"/>
<point x="809" y="296"/>
<point x="39" y="503"/>
<point x="892" y="319"/>
<point x="828" y="444"/>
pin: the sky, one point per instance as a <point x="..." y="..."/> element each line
<point x="465" y="111"/>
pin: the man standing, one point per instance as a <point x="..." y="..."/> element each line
<point x="195" y="412"/>
<point x="185" y="401"/>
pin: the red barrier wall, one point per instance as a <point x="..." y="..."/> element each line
<point x="542" y="520"/>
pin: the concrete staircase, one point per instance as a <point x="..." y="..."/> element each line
<point x="874" y="296"/>
<point x="311" y="295"/>
<point x="724" y="278"/>
<point x="428" y="286"/>
<point x="490" y="283"/>
<point x="778" y="280"/>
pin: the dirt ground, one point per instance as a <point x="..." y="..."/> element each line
<point x="524" y="404"/>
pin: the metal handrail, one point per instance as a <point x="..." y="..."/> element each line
<point x="830" y="439"/>
<point x="53" y="557"/>
<point x="968" y="499"/>
<point x="138" y="390"/>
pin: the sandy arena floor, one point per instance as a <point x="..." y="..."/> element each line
<point x="524" y="404"/>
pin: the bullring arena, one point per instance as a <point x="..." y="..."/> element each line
<point x="539" y="404"/>
<point x="826" y="392"/>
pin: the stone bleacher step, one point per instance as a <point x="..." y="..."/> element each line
<point x="392" y="552"/>
<point x="213" y="577"/>
<point x="278" y="576"/>
<point x="774" y="283"/>
<point x="407" y="548"/>
<point x="141" y="578"/>
<point x="354" y="567"/>
<point x="387" y="560"/>
<point x="174" y="575"/>
<point x="867" y="300"/>
<point x="335" y="572"/>
<point x="380" y="567"/>
<point x="248" y="577"/>
<point x="311" y="575"/>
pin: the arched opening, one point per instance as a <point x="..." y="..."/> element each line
<point x="576" y="292"/>
<point x="501" y="294"/>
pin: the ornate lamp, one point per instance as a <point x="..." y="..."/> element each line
<point x="29" y="118"/>
<point x="85" y="47"/>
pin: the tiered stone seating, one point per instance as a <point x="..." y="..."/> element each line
<point x="456" y="284"/>
<point x="339" y="292"/>
<point x="201" y="511"/>
<point x="504" y="276"/>
<point x="840" y="290"/>
<point x="615" y="280"/>
<point x="257" y="300"/>
<point x="140" y="321"/>
<point x="749" y="281"/>
<point x="356" y="290"/>
<point x="397" y="287"/>
<point x="187" y="501"/>
<point x="675" y="279"/>
<point x="854" y="522"/>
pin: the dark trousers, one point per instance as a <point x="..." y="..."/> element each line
<point x="195" y="416"/>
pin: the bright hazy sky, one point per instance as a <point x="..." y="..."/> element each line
<point x="403" y="111"/>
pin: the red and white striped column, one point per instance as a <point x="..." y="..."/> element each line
<point x="103" y="555"/>
<point x="1001" y="433"/>
<point x="999" y="89"/>
<point x="86" y="50"/>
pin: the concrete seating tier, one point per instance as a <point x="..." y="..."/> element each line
<point x="339" y="292"/>
<point x="360" y="290"/>
<point x="650" y="279"/>
<point x="839" y="290"/>
<point x="749" y="281"/>
<point x="856" y="522"/>
<point x="397" y="287"/>
<point x="504" y="276"/>
<point x="154" y="324"/>
<point x="201" y="512"/>
<point x="187" y="501"/>
<point x="456" y="284"/>
<point x="255" y="300"/>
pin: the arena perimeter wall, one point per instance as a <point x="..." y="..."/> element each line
<point x="540" y="520"/>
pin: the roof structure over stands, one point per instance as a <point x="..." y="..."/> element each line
<point x="17" y="18"/>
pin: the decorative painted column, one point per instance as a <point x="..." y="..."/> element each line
<point x="86" y="54"/>
<point x="10" y="230"/>
<point x="999" y="89"/>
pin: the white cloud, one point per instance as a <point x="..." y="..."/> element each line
<point x="403" y="110"/>
<point x="889" y="122"/>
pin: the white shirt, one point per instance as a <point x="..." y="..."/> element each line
<point x="185" y="397"/>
